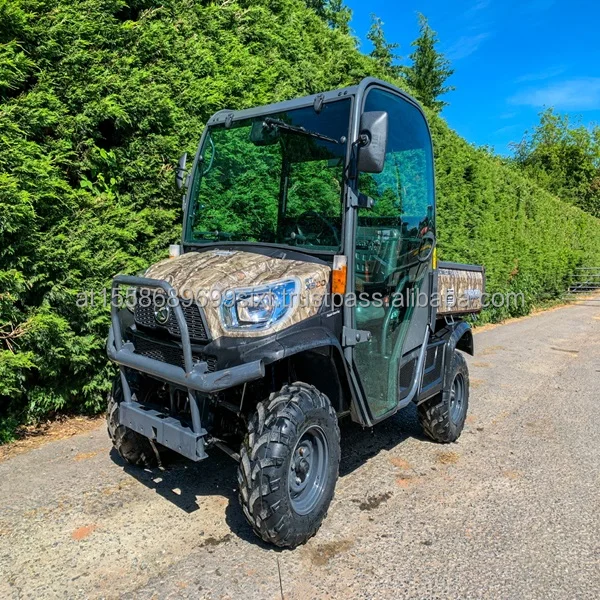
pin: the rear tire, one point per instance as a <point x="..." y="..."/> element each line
<point x="442" y="417"/>
<point x="133" y="447"/>
<point x="289" y="464"/>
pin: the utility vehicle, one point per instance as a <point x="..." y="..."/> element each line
<point x="306" y="288"/>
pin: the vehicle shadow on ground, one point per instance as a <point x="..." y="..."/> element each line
<point x="183" y="482"/>
<point x="359" y="445"/>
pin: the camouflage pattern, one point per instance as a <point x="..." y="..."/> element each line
<point x="460" y="291"/>
<point x="202" y="274"/>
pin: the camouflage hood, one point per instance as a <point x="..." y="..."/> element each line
<point x="212" y="273"/>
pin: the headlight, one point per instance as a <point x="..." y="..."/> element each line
<point x="259" y="307"/>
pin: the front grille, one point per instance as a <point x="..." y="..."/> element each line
<point x="144" y="317"/>
<point x="168" y="353"/>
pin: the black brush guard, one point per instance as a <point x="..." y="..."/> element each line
<point x="194" y="377"/>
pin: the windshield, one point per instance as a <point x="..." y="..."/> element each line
<point x="276" y="178"/>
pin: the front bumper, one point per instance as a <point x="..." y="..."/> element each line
<point x="194" y="377"/>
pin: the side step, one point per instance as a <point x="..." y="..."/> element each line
<point x="164" y="429"/>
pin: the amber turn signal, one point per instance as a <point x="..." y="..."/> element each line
<point x="338" y="275"/>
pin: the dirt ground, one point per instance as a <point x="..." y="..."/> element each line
<point x="510" y="511"/>
<point x="35" y="436"/>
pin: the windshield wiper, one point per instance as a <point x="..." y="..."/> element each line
<point x="270" y="122"/>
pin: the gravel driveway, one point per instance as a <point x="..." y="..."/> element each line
<point x="510" y="511"/>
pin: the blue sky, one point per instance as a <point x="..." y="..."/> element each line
<point x="510" y="58"/>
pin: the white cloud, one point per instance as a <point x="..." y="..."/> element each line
<point x="477" y="7"/>
<point x="507" y="129"/>
<point x="541" y="75"/>
<point x="466" y="45"/>
<point x="582" y="93"/>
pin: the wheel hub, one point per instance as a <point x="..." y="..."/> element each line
<point x="308" y="470"/>
<point x="457" y="397"/>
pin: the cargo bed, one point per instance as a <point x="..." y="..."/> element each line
<point x="460" y="288"/>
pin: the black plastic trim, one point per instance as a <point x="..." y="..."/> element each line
<point x="459" y="266"/>
<point x="451" y="337"/>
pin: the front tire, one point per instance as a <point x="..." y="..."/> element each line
<point x="289" y="464"/>
<point x="132" y="446"/>
<point x="443" y="416"/>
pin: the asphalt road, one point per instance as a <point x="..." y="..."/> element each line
<point x="510" y="511"/>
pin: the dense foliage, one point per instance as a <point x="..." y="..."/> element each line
<point x="563" y="158"/>
<point x="529" y="240"/>
<point x="97" y="100"/>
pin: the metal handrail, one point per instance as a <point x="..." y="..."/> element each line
<point x="169" y="290"/>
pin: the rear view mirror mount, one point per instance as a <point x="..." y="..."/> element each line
<point x="372" y="141"/>
<point x="261" y="135"/>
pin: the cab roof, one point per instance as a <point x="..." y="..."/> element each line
<point x="225" y="115"/>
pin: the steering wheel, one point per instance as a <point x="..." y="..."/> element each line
<point x="300" y="234"/>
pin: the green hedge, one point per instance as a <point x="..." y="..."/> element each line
<point x="490" y="214"/>
<point x="97" y="100"/>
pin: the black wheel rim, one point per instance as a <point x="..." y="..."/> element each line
<point x="308" y="470"/>
<point x="457" y="398"/>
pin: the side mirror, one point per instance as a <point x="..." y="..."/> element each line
<point x="180" y="171"/>
<point x="372" y="141"/>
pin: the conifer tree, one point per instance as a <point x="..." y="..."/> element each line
<point x="383" y="51"/>
<point x="338" y="15"/>
<point x="429" y="70"/>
